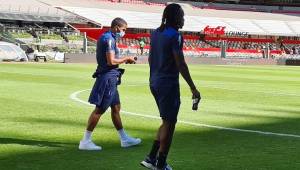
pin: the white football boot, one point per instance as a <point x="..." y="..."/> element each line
<point x="89" y="146"/>
<point x="129" y="141"/>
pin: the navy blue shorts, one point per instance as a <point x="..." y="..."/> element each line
<point x="105" y="92"/>
<point x="168" y="101"/>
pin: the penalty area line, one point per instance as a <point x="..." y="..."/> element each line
<point x="74" y="97"/>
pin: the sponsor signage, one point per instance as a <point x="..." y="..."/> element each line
<point x="221" y="30"/>
<point x="214" y="30"/>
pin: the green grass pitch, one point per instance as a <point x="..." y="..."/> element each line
<point x="40" y="126"/>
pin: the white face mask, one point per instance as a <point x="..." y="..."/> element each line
<point x="120" y="34"/>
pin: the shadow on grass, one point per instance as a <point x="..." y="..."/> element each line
<point x="28" y="142"/>
<point x="102" y="125"/>
<point x="282" y="110"/>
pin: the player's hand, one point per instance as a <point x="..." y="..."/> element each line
<point x="130" y="60"/>
<point x="196" y="93"/>
<point x="196" y="98"/>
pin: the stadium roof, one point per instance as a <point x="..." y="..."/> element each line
<point x="34" y="10"/>
<point x="193" y="23"/>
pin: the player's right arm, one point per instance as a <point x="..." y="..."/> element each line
<point x="112" y="60"/>
<point x="110" y="55"/>
<point x="177" y="45"/>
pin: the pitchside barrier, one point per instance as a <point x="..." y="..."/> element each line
<point x="293" y="62"/>
<point x="289" y="61"/>
<point x="91" y="58"/>
<point x="199" y="56"/>
<point x="80" y="58"/>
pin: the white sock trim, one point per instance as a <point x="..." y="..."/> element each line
<point x="122" y="134"/>
<point x="87" y="135"/>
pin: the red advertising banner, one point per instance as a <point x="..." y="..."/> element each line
<point x="219" y="30"/>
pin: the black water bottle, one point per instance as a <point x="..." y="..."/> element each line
<point x="196" y="100"/>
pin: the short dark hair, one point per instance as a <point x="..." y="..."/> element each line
<point x="171" y="16"/>
<point x="118" y="22"/>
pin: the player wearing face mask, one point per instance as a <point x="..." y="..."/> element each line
<point x="105" y="93"/>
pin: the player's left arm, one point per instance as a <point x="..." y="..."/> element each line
<point x="177" y="50"/>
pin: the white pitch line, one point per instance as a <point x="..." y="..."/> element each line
<point x="74" y="97"/>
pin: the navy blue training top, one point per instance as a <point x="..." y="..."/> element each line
<point x="106" y="43"/>
<point x="163" y="68"/>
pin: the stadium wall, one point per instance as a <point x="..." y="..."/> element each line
<point x="79" y="58"/>
<point x="91" y="58"/>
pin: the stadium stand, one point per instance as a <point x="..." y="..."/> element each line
<point x="244" y="33"/>
<point x="261" y="24"/>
